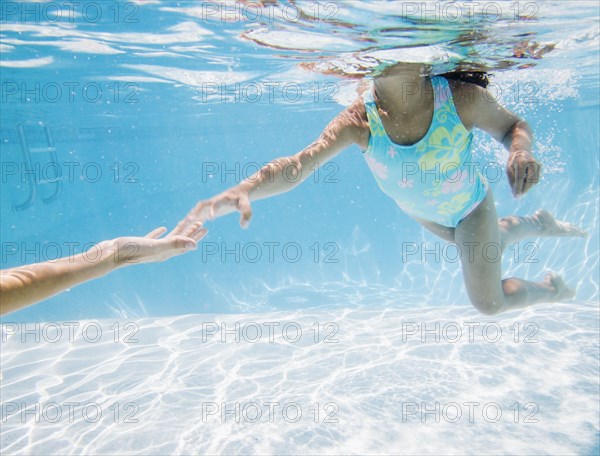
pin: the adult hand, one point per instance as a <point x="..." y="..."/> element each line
<point x="26" y="285"/>
<point x="152" y="248"/>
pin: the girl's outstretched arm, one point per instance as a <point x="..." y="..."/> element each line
<point x="26" y="285"/>
<point x="285" y="173"/>
<point x="522" y="169"/>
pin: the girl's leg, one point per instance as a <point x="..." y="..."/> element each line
<point x="485" y="287"/>
<point x="513" y="228"/>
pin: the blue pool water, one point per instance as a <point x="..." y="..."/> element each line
<point x="152" y="106"/>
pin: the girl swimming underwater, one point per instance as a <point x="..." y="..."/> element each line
<point x="416" y="134"/>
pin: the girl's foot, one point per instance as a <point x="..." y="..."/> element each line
<point x="551" y="227"/>
<point x="542" y="223"/>
<point x="556" y="283"/>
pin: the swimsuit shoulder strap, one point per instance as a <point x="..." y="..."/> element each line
<point x="367" y="95"/>
<point x="443" y="96"/>
<point x="375" y="124"/>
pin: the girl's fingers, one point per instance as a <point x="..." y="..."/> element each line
<point x="243" y="205"/>
<point x="156" y="233"/>
<point x="212" y="210"/>
<point x="522" y="183"/>
<point x="515" y="186"/>
<point x="528" y="180"/>
<point x="532" y="176"/>
<point x="205" y="213"/>
<point x="218" y="203"/>
<point x="512" y="178"/>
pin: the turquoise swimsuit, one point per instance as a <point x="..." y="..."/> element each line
<point x="434" y="179"/>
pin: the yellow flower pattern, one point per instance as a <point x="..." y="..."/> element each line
<point x="426" y="179"/>
<point x="377" y="128"/>
<point x="444" y="147"/>
<point x="434" y="190"/>
<point x="456" y="204"/>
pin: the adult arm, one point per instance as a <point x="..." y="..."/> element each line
<point x="26" y="285"/>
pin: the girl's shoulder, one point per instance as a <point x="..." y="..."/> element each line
<point x="465" y="91"/>
<point x="466" y="97"/>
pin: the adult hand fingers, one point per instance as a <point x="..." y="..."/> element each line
<point x="182" y="226"/>
<point x="180" y="243"/>
<point x="156" y="233"/>
<point x="196" y="231"/>
<point x="198" y="235"/>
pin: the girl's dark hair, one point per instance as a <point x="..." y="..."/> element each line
<point x="474" y="77"/>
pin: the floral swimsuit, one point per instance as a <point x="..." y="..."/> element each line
<point x="434" y="179"/>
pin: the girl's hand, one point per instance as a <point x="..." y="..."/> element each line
<point x="523" y="171"/>
<point x="234" y="199"/>
<point x="151" y="248"/>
